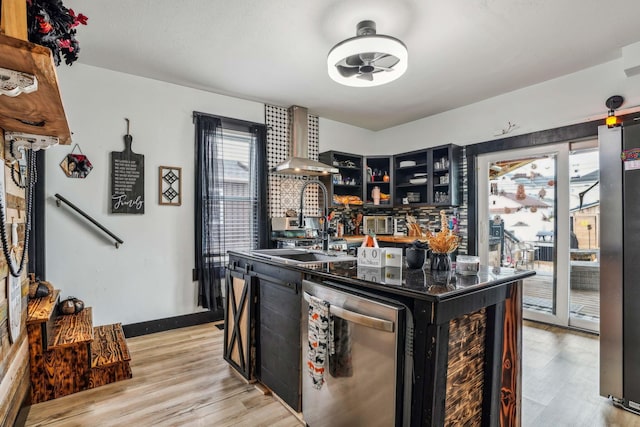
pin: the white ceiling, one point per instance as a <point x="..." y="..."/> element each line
<point x="460" y="51"/>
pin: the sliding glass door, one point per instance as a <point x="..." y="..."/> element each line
<point x="584" y="237"/>
<point x="538" y="209"/>
<point x="521" y="194"/>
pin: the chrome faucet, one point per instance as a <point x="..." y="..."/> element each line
<point x="325" y="216"/>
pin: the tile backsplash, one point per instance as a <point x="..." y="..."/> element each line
<point x="284" y="190"/>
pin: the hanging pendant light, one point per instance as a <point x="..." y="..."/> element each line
<point x="368" y="59"/>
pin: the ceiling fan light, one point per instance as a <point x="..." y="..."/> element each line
<point x="364" y="44"/>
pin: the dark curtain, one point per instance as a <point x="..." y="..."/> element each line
<point x="209" y="233"/>
<point x="261" y="173"/>
<point x="210" y="239"/>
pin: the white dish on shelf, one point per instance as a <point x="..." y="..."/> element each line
<point x="418" y="180"/>
<point x="407" y="163"/>
<point x="419" y="174"/>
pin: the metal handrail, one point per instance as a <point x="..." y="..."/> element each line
<point x="59" y="198"/>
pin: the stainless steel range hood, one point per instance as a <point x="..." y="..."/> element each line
<point x="299" y="162"/>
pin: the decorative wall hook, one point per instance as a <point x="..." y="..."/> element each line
<point x="506" y="130"/>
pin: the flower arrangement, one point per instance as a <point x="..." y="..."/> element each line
<point x="444" y="241"/>
<point x="52" y="25"/>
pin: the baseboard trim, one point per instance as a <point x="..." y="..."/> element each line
<point x="166" y="324"/>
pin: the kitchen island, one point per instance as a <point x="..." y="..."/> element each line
<point x="466" y="340"/>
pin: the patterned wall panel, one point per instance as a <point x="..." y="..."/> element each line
<point x="284" y="190"/>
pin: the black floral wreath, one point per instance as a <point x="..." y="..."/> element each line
<point x="52" y="25"/>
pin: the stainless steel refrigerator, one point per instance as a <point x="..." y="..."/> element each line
<point x="620" y="265"/>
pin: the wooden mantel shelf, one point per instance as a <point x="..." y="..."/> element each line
<point x="40" y="112"/>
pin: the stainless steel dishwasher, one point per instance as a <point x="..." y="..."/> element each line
<point x="367" y="381"/>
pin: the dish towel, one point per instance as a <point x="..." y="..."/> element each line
<point x="318" y="340"/>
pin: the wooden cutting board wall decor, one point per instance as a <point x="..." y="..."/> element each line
<point x="127" y="179"/>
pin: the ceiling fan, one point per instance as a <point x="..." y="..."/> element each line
<point x="369" y="59"/>
<point x="365" y="65"/>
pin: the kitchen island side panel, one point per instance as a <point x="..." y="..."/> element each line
<point x="511" y="388"/>
<point x="466" y="369"/>
<point x="481" y="365"/>
<point x="466" y="337"/>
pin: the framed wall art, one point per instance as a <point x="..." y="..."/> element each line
<point x="170" y="186"/>
<point x="127" y="179"/>
<point x="76" y="165"/>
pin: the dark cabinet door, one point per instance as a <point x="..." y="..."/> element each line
<point x="239" y="322"/>
<point x="279" y="338"/>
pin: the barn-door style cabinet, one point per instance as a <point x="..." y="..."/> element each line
<point x="262" y="326"/>
<point x="239" y="321"/>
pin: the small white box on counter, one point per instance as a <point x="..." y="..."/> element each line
<point x="380" y="257"/>
<point x="393" y="257"/>
<point x="371" y="257"/>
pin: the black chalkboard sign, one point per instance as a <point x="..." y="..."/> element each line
<point x="127" y="179"/>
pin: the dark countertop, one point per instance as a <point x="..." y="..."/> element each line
<point x="421" y="284"/>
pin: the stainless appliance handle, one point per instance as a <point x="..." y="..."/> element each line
<point x="361" y="319"/>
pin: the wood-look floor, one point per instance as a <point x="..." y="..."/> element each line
<point x="560" y="381"/>
<point x="180" y="379"/>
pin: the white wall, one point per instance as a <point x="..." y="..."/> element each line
<point x="149" y="276"/>
<point x="575" y="98"/>
<point x="343" y="137"/>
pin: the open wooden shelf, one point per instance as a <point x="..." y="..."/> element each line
<point x="40" y="112"/>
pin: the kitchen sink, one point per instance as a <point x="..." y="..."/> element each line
<point x="303" y="256"/>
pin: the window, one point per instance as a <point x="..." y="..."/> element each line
<point x="238" y="206"/>
<point x="230" y="198"/>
